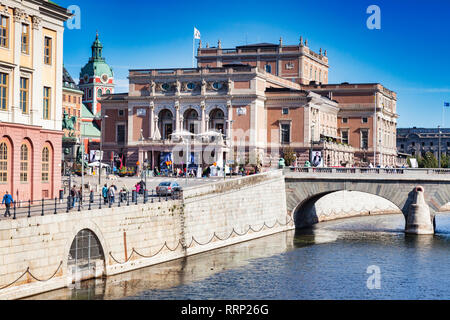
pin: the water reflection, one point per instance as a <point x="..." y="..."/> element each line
<point x="326" y="261"/>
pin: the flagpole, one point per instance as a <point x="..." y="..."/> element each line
<point x="193" y="49"/>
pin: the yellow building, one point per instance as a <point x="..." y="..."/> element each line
<point x="31" y="56"/>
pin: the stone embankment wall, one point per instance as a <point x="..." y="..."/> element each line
<point x="34" y="252"/>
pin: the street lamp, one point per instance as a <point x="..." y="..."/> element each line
<point x="101" y="155"/>
<point x="439" y="151"/>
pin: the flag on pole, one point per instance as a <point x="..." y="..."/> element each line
<point x="196" y="33"/>
<point x="446" y="104"/>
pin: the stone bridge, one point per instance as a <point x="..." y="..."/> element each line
<point x="306" y="185"/>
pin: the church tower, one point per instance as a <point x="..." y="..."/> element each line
<point x="96" y="78"/>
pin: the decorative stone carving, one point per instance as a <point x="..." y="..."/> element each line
<point x="203" y="87"/>
<point x="152" y="87"/>
<point x="229" y="86"/>
<point x="37" y="21"/>
<point x="177" y="87"/>
<point x="19" y="15"/>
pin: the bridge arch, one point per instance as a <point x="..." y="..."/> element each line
<point x="311" y="210"/>
<point x="85" y="252"/>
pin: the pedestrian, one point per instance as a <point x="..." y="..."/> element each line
<point x="138" y="188"/>
<point x="112" y="191"/>
<point x="105" y="193"/>
<point x="73" y="196"/>
<point x="7" y="200"/>
<point x="80" y="195"/>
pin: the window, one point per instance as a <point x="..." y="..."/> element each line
<point x="108" y="91"/>
<point x="448" y="144"/>
<point x="364" y="120"/>
<point x="24" y="163"/>
<point x="431" y="143"/>
<point x="46" y="106"/>
<point x="3" y="162"/>
<point x="48" y="50"/>
<point x="89" y="93"/>
<point x="423" y="144"/>
<point x="285" y="111"/>
<point x="25" y="38"/>
<point x="4" y="24"/>
<point x="402" y="146"/>
<point x="121" y="113"/>
<point x="121" y="133"/>
<point x="3" y="91"/>
<point x="413" y="144"/>
<point x="99" y="93"/>
<point x="344" y="120"/>
<point x="45" y="164"/>
<point x="24" y="94"/>
<point x="285" y="133"/>
<point x="344" y="136"/>
<point x="268" y="68"/>
<point x="364" y="139"/>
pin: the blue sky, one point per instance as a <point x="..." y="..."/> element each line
<point x="409" y="54"/>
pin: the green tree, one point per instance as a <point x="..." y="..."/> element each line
<point x="289" y="156"/>
<point x="429" y="161"/>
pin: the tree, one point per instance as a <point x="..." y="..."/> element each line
<point x="428" y="161"/>
<point x="289" y="156"/>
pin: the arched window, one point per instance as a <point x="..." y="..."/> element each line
<point x="99" y="93"/>
<point x="268" y="68"/>
<point x="24" y="163"/>
<point x="3" y="162"/>
<point x="45" y="164"/>
<point x="108" y="91"/>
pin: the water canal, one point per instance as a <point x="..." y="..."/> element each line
<point x="328" y="261"/>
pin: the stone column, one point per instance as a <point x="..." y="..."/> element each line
<point x="130" y="124"/>
<point x="17" y="29"/>
<point x="38" y="57"/>
<point x="177" y="115"/>
<point x="203" y="119"/>
<point x="229" y="118"/>
<point x="151" y="119"/>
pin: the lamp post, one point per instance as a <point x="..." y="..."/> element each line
<point x="439" y="147"/>
<point x="101" y="155"/>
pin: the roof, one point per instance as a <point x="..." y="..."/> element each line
<point x="86" y="113"/>
<point x="68" y="81"/>
<point x="89" y="129"/>
<point x="263" y="44"/>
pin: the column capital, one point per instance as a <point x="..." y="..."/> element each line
<point x="19" y="15"/>
<point x="177" y="105"/>
<point x="37" y="21"/>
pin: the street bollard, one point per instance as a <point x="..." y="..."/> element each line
<point x="79" y="204"/>
<point x="100" y="202"/>
<point x="56" y="203"/>
<point x="42" y="207"/>
<point x="68" y="203"/>
<point x="14" y="215"/>
<point x="29" y="208"/>
<point x="145" y="195"/>
<point x="128" y="198"/>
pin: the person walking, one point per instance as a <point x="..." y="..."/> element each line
<point x="73" y="195"/>
<point x="7" y="200"/>
<point x="105" y="193"/>
<point x="112" y="191"/>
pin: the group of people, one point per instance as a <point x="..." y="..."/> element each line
<point x="109" y="194"/>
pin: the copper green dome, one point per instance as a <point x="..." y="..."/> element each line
<point x="96" y="65"/>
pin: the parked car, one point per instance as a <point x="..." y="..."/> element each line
<point x="168" y="188"/>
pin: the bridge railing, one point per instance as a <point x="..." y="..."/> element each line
<point x="365" y="170"/>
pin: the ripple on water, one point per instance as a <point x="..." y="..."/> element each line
<point x="328" y="261"/>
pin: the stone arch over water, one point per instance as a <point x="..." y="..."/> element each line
<point x="339" y="204"/>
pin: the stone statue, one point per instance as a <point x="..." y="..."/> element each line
<point x="203" y="86"/>
<point x="152" y="87"/>
<point x="178" y="86"/>
<point x="69" y="123"/>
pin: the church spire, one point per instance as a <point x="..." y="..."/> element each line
<point x="97" y="48"/>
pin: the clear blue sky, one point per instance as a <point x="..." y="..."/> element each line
<point x="409" y="54"/>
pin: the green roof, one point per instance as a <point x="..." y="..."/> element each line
<point x="86" y="113"/>
<point x="90" y="130"/>
<point x="97" y="65"/>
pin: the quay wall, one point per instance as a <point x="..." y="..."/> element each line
<point x="34" y="252"/>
